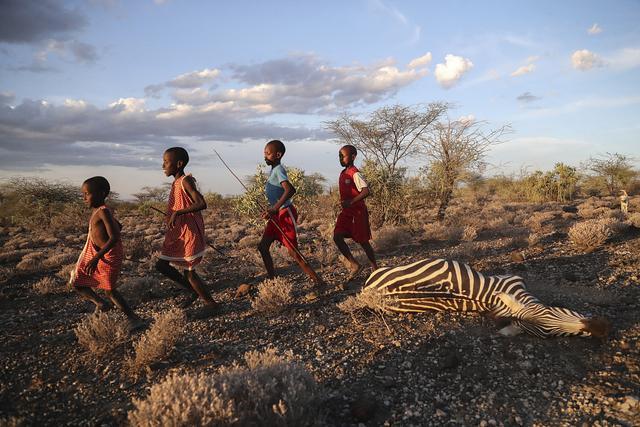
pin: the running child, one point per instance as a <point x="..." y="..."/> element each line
<point x="353" y="220"/>
<point x="184" y="240"/>
<point x="100" y="261"/>
<point x="281" y="214"/>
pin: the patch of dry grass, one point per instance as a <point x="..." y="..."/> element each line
<point x="274" y="296"/>
<point x="369" y="298"/>
<point x="589" y="235"/>
<point x="634" y="219"/>
<point x="269" y="390"/>
<point x="101" y="332"/>
<point x="158" y="342"/>
<point x="48" y="285"/>
<point x="534" y="239"/>
<point x="469" y="233"/>
<point x="56" y="261"/>
<point x="390" y="237"/>
<point x="65" y="272"/>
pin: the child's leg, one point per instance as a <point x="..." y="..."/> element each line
<point x="168" y="270"/>
<point x="306" y="267"/>
<point x="90" y="295"/>
<point x="338" y="238"/>
<point x="366" y="246"/>
<point x="263" y="247"/>
<point x="117" y="298"/>
<point x="198" y="286"/>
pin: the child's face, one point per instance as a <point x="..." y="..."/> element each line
<point x="346" y="158"/>
<point x="271" y="157"/>
<point x="91" y="199"/>
<point x="169" y="164"/>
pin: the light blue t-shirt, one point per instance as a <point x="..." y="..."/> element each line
<point x="273" y="189"/>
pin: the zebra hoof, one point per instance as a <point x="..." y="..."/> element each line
<point x="510" y="331"/>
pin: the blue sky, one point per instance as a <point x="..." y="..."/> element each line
<point x="104" y="86"/>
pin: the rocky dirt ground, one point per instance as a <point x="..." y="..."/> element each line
<point x="417" y="369"/>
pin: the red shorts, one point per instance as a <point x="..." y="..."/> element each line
<point x="287" y="221"/>
<point x="354" y="223"/>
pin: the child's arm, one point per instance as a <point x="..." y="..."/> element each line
<point x="289" y="191"/>
<point x="364" y="193"/>
<point x="113" y="231"/>
<point x="198" y="200"/>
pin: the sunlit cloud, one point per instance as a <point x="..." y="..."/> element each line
<point x="584" y="60"/>
<point x="595" y="29"/>
<point x="452" y="70"/>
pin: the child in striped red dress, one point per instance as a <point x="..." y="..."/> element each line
<point x="184" y="241"/>
<point x="100" y="261"/>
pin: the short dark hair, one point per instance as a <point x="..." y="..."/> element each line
<point x="352" y="150"/>
<point x="278" y="145"/>
<point x="98" y="183"/>
<point x="179" y="153"/>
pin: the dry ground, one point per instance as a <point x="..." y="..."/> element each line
<point x="420" y="369"/>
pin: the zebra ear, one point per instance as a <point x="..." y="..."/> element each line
<point x="510" y="301"/>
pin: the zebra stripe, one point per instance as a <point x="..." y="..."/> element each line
<point x="447" y="285"/>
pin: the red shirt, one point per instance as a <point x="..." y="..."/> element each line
<point x="347" y="186"/>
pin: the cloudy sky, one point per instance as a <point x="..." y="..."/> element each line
<point x="102" y="87"/>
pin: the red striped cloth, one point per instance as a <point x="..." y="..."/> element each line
<point x="106" y="274"/>
<point x="184" y="243"/>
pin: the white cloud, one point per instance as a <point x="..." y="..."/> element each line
<point x="525" y="69"/>
<point x="128" y="105"/>
<point x="585" y="60"/>
<point x="421" y="61"/>
<point x="194" y="78"/>
<point x="595" y="29"/>
<point x="451" y="71"/>
<point x="469" y="118"/>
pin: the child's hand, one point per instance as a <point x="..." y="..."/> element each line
<point x="346" y="203"/>
<point x="91" y="266"/>
<point x="272" y="211"/>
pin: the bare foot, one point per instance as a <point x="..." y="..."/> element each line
<point x="354" y="272"/>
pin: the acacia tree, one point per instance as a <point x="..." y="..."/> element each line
<point x="454" y="149"/>
<point x="614" y="168"/>
<point x="385" y="138"/>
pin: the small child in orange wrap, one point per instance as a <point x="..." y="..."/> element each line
<point x="184" y="240"/>
<point x="100" y="261"/>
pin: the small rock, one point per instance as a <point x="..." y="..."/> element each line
<point x="440" y="413"/>
<point x="517" y="256"/>
<point x="364" y="408"/>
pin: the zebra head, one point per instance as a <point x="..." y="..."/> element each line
<point x="544" y="321"/>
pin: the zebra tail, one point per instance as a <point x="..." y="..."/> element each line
<point x="598" y="327"/>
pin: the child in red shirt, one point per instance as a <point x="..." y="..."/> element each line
<point x="353" y="220"/>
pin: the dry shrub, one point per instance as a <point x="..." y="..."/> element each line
<point x="534" y="239"/>
<point x="29" y="264"/>
<point x="589" y="235"/>
<point x="137" y="248"/>
<point x="390" y="237"/>
<point x="470" y="233"/>
<point x="616" y="226"/>
<point x="47" y="285"/>
<point x="440" y="231"/>
<point x="101" y="332"/>
<point x="138" y="289"/>
<point x="537" y="221"/>
<point x="369" y="298"/>
<point x="157" y="343"/>
<point x="65" y="272"/>
<point x="635" y="219"/>
<point x="274" y="295"/>
<point x="11" y="422"/>
<point x="56" y="261"/>
<point x="269" y="390"/>
<point x="12" y="256"/>
<point x="568" y="216"/>
<point x="326" y="255"/>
